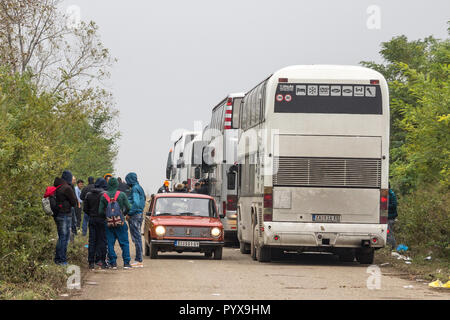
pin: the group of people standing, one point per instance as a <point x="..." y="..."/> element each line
<point x="72" y="198"/>
<point x="200" y="187"/>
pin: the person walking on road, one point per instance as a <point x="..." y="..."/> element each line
<point x="65" y="201"/>
<point x="392" y="215"/>
<point x="197" y="188"/>
<point x="164" y="188"/>
<point x="84" y="192"/>
<point x="97" y="232"/>
<point x="137" y="202"/>
<point x="119" y="233"/>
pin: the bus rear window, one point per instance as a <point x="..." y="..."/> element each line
<point x="328" y="98"/>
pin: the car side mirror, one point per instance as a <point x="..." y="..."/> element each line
<point x="197" y="173"/>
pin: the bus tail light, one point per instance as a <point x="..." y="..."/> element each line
<point x="282" y="79"/>
<point x="268" y="204"/>
<point x="384" y="200"/>
<point x="228" y="114"/>
<point x="231" y="202"/>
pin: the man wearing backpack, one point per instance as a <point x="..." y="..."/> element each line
<point x="97" y="232"/>
<point x="137" y="202"/>
<point x="65" y="201"/>
<point x="114" y="204"/>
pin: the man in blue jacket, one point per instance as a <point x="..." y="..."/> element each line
<point x="137" y="203"/>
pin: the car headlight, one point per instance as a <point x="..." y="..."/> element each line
<point x="160" y="231"/>
<point x="215" y="232"/>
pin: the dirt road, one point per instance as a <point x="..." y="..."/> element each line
<point x="192" y="276"/>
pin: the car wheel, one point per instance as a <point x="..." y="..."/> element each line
<point x="153" y="251"/>
<point x="244" y="247"/>
<point x="147" y="250"/>
<point x="218" y="253"/>
<point x="208" y="254"/>
<point x="365" y="256"/>
<point x="347" y="255"/>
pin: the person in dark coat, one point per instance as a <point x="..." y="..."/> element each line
<point x="164" y="188"/>
<point x="392" y="215"/>
<point x="65" y="202"/>
<point x="97" y="232"/>
<point x="197" y="188"/>
<point x="84" y="192"/>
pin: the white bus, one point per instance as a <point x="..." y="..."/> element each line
<point x="313" y="163"/>
<point x="222" y="137"/>
<point x="181" y="158"/>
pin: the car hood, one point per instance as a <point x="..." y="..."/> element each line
<point x="187" y="221"/>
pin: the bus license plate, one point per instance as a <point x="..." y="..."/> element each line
<point x="326" y="218"/>
<point x="189" y="244"/>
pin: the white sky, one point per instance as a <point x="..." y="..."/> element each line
<point x="178" y="58"/>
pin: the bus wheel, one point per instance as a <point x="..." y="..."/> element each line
<point x="277" y="253"/>
<point x="347" y="255"/>
<point x="253" y="244"/>
<point x="365" y="256"/>
<point x="208" y="254"/>
<point x="153" y="251"/>
<point x="263" y="254"/>
<point x="244" y="247"/>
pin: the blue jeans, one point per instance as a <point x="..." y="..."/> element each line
<point x="74" y="221"/>
<point x="120" y="234"/>
<point x="135" y="223"/>
<point x="63" y="225"/>
<point x="84" y="228"/>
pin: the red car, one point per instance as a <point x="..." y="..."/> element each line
<point x="183" y="222"/>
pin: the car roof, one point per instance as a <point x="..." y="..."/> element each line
<point x="182" y="195"/>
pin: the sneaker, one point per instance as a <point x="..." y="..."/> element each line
<point x="137" y="264"/>
<point x="112" y="266"/>
<point x="127" y="266"/>
<point x="91" y="266"/>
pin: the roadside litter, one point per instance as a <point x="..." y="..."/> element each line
<point x="402" y="248"/>
<point x="408" y="287"/>
<point x="402" y="257"/>
<point x="439" y="284"/>
<point x="428" y="258"/>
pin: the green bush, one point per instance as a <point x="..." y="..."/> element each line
<point x="424" y="221"/>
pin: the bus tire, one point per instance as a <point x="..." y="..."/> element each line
<point x="244" y="247"/>
<point x="208" y="254"/>
<point x="365" y="256"/>
<point x="253" y="244"/>
<point x="346" y="255"/>
<point x="218" y="253"/>
<point x="153" y="252"/>
<point x="263" y="254"/>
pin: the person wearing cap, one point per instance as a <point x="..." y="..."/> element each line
<point x="107" y="177"/>
<point x="179" y="188"/>
<point x="197" y="188"/>
<point x="164" y="188"/>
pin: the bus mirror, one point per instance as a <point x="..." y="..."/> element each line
<point x="231" y="178"/>
<point x="168" y="173"/>
<point x="197" y="173"/>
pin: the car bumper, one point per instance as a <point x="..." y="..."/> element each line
<point x="204" y="245"/>
<point x="343" y="235"/>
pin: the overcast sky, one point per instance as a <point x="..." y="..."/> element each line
<point x="178" y="59"/>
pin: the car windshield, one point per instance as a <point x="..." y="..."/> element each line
<point x="185" y="207"/>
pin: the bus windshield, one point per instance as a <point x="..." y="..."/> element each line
<point x="328" y="98"/>
<point x="185" y="207"/>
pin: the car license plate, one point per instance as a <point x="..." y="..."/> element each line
<point x="326" y="218"/>
<point x="189" y="244"/>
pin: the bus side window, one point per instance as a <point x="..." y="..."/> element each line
<point x="236" y="112"/>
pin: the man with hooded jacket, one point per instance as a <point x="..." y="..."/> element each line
<point x="137" y="202"/>
<point x="97" y="232"/>
<point x="65" y="201"/>
<point x="116" y="233"/>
